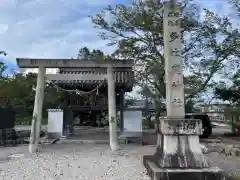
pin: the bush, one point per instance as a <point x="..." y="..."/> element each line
<point x="148" y="125"/>
<point x="23" y="121"/>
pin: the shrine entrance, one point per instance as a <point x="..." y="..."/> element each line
<point x="94" y="93"/>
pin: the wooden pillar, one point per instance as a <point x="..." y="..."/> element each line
<point x="65" y="115"/>
<point x="70" y="121"/>
<point x="121" y="112"/>
<point x="98" y="120"/>
<point x="112" y="110"/>
<point x="37" y="111"/>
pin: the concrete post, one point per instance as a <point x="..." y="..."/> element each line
<point x="178" y="153"/>
<point x="37" y="111"/>
<point x="112" y="110"/>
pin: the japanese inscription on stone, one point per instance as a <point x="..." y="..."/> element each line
<point x="182" y="127"/>
<point x="177" y="102"/>
<point x="173" y="36"/>
<point x="177" y="68"/>
<point x="176" y="126"/>
<point x="173" y="14"/>
<point x="175" y="52"/>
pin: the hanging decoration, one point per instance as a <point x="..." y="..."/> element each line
<point x="78" y="92"/>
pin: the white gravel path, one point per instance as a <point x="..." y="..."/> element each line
<point x="75" y="161"/>
<point x="88" y="162"/>
<point x="229" y="164"/>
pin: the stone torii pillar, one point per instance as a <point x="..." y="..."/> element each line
<point x="113" y="137"/>
<point x="178" y="153"/>
<point x="37" y="111"/>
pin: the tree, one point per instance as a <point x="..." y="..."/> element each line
<point x="3" y="67"/>
<point x="95" y="54"/>
<point x="17" y="91"/>
<point x="83" y="53"/>
<point x="232" y="93"/>
<point x="236" y="6"/>
<point x="138" y="32"/>
<point x="129" y="101"/>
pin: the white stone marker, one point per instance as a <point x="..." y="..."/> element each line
<point x="132" y="123"/>
<point x="178" y="154"/>
<point x="55" y="123"/>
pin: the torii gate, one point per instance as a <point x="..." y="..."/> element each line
<point x="42" y="64"/>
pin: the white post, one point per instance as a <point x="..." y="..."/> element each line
<point x="112" y="110"/>
<point x="37" y="111"/>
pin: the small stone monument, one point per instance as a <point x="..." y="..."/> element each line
<point x="178" y="153"/>
<point x="55" y="123"/>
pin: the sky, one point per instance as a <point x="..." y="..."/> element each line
<point x="57" y="28"/>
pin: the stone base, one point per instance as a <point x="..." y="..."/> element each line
<point x="156" y="173"/>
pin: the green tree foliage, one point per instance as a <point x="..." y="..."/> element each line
<point x="231" y="93"/>
<point x="3" y="67"/>
<point x="95" y="54"/>
<point x="129" y="101"/>
<point x="211" y="45"/>
<point x="17" y="91"/>
<point x="236" y="5"/>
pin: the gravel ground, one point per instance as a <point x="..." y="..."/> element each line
<point x="229" y="164"/>
<point x="75" y="161"/>
<point x="88" y="162"/>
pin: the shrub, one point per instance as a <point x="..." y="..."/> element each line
<point x="148" y="125"/>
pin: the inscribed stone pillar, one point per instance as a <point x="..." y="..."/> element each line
<point x="37" y="111"/>
<point x="178" y="153"/>
<point x="112" y="110"/>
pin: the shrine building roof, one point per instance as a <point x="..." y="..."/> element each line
<point x="90" y="77"/>
<point x="84" y="73"/>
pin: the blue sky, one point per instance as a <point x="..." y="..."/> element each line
<point x="56" y="28"/>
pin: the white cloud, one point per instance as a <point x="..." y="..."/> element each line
<point x="52" y="28"/>
<point x="48" y="29"/>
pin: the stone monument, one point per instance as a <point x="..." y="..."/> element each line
<point x="178" y="152"/>
<point x="55" y="123"/>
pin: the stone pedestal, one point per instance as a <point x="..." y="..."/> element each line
<point x="178" y="153"/>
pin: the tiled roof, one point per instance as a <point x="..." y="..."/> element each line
<point x="93" y="77"/>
